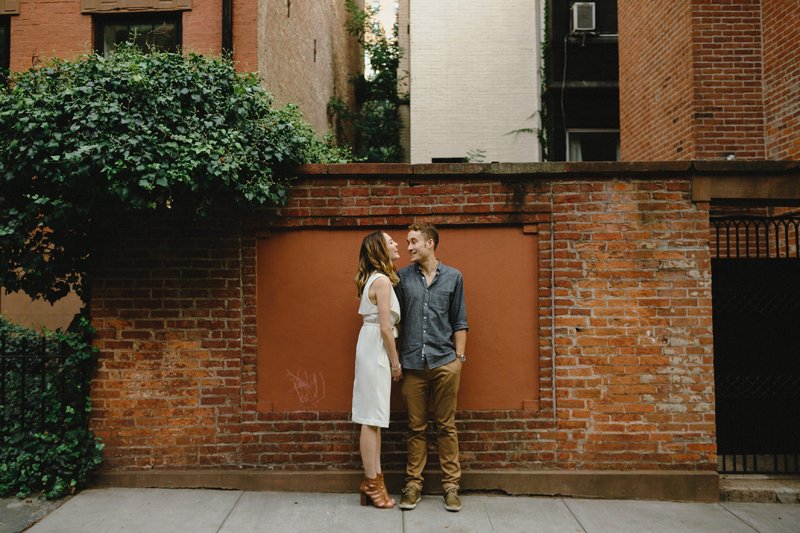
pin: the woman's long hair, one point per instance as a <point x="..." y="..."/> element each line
<point x="374" y="257"/>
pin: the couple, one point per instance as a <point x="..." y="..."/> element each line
<point x="430" y="351"/>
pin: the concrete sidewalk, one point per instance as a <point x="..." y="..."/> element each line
<point x="217" y="511"/>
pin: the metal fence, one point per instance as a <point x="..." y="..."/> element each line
<point x="39" y="389"/>
<point x="756" y="310"/>
<point x="756" y="237"/>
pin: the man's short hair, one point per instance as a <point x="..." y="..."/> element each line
<point x="428" y="230"/>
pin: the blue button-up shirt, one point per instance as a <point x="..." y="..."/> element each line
<point x="431" y="314"/>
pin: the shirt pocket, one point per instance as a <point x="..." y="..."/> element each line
<point x="440" y="302"/>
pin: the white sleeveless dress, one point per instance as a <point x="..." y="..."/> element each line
<point x="373" y="382"/>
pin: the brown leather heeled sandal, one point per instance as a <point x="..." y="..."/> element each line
<point x="386" y="492"/>
<point x="374" y="491"/>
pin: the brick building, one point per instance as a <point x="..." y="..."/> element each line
<point x="701" y="79"/>
<point x="283" y="41"/>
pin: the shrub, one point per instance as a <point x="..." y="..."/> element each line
<point x="45" y="444"/>
<point x="93" y="137"/>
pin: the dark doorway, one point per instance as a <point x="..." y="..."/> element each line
<point x="756" y="312"/>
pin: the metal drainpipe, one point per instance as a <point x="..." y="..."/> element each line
<point x="227" y="27"/>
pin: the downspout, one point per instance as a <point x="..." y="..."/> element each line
<point x="227" y="27"/>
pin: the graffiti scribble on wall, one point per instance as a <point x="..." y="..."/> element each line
<point x="310" y="388"/>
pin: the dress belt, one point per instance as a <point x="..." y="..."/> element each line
<point x="377" y="325"/>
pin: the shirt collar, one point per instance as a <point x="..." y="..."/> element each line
<point x="439" y="266"/>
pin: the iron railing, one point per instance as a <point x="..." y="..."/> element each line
<point x="34" y="377"/>
<point x="751" y="463"/>
<point x="756" y="305"/>
<point x="756" y="237"/>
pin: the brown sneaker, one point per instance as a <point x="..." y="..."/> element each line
<point x="411" y="497"/>
<point x="451" y="500"/>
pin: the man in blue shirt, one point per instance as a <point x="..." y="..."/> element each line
<point x="432" y="342"/>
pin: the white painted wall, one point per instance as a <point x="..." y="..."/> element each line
<point x="474" y="77"/>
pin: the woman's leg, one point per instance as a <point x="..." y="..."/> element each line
<point x="377" y="462"/>
<point x="368" y="444"/>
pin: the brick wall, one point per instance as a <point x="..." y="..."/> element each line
<point x="245" y="35"/>
<point x="703" y="79"/>
<point x="48" y="28"/>
<point x="632" y="384"/>
<point x="655" y="81"/>
<point x="781" y="29"/>
<point x="57" y="28"/>
<point x="306" y="55"/>
<point x="728" y="98"/>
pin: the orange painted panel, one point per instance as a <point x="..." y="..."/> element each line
<point x="308" y="321"/>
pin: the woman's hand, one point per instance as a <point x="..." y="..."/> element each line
<point x="397" y="373"/>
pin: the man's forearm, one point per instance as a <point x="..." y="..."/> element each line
<point x="460" y="341"/>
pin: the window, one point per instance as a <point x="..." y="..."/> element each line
<point x="161" y="31"/>
<point x="5" y="47"/>
<point x="592" y="145"/>
<point x="606" y="18"/>
<point x="449" y="160"/>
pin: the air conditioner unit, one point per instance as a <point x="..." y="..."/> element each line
<point x="583" y="19"/>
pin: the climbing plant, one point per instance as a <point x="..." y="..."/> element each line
<point x="377" y="121"/>
<point x="91" y="137"/>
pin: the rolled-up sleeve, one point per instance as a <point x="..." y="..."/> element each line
<point x="458" y="307"/>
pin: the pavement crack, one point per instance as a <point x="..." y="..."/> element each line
<point x="488" y="516"/>
<point x="577" y="521"/>
<point x="222" y="524"/>
<point x="745" y="522"/>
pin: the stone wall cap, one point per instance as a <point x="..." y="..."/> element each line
<point x="553" y="169"/>
<point x="745" y="166"/>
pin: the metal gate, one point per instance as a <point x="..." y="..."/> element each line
<point x="756" y="310"/>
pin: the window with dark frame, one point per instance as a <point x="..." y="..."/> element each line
<point x="5" y="47"/>
<point x="593" y="145"/>
<point x="160" y="31"/>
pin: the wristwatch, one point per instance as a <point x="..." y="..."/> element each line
<point x="462" y="357"/>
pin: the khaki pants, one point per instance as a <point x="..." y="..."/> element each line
<point x="440" y="385"/>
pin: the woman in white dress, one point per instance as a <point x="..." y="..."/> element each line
<point x="377" y="361"/>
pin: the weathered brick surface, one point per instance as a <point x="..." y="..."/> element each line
<point x="624" y="287"/>
<point x="703" y="79"/>
<point x="169" y="323"/>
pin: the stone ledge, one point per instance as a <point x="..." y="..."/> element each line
<point x="679" y="485"/>
<point x="564" y="170"/>
<point x="759" y="488"/>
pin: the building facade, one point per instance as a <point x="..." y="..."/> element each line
<point x="686" y="80"/>
<point x="581" y="118"/>
<point x="284" y="41"/>
<point x="471" y="70"/>
<point x="701" y="79"/>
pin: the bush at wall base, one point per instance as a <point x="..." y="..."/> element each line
<point x="46" y="447"/>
